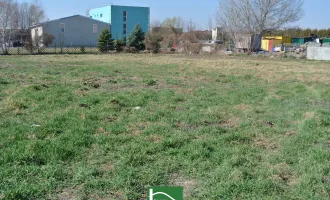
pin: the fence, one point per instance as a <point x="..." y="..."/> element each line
<point x="52" y="50"/>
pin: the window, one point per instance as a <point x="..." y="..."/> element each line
<point x="125" y="29"/>
<point x="124" y="16"/>
<point x="62" y="27"/>
<point x="91" y="16"/>
<point x="94" y="28"/>
<point x="101" y="15"/>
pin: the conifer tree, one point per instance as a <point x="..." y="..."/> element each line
<point x="105" y="43"/>
<point x="136" y="38"/>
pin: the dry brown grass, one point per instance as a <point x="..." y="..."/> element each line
<point x="230" y="123"/>
<point x="283" y="173"/>
<point x="241" y="107"/>
<point x="265" y="143"/>
<point x="188" y="184"/>
<point x="271" y="69"/>
<point x="309" y="115"/>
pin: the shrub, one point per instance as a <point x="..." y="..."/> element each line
<point x="130" y="50"/>
<point x="28" y="45"/>
<point x="82" y="49"/>
<point x="192" y="48"/>
<point x="152" y="42"/>
<point x="47" y="39"/>
<point x="119" y="45"/>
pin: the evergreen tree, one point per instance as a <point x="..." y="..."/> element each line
<point x="105" y="42"/>
<point x="136" y="38"/>
<point x="119" y="45"/>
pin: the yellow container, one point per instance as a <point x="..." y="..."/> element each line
<point x="269" y="44"/>
<point x="264" y="44"/>
<point x="284" y="39"/>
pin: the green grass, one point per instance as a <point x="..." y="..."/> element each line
<point x="109" y="126"/>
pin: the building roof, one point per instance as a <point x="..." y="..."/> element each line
<point x="121" y="6"/>
<point x="84" y="17"/>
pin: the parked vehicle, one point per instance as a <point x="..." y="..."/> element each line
<point x="216" y="42"/>
<point x="278" y="48"/>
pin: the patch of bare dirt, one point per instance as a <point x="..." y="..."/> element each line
<point x="137" y="128"/>
<point x="134" y="78"/>
<point x="112" y="196"/>
<point x="70" y="193"/>
<point x="309" y="115"/>
<point x="182" y="125"/>
<point x="107" y="167"/>
<point x="326" y="179"/>
<point x="290" y="133"/>
<point x="230" y="123"/>
<point x="241" y="107"/>
<point x="154" y="138"/>
<point x="101" y="131"/>
<point x="265" y="143"/>
<point x="188" y="184"/>
<point x="283" y="174"/>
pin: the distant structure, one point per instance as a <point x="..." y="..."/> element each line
<point x="216" y="33"/>
<point x="69" y="31"/>
<point x="122" y="19"/>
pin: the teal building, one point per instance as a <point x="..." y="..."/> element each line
<point x="122" y="19"/>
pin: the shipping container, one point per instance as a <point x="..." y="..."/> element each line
<point x="269" y="44"/>
<point x="301" y="41"/>
<point x="248" y="42"/>
<point x="326" y="40"/>
<point x="284" y="39"/>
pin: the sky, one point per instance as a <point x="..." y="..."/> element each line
<point x="317" y="13"/>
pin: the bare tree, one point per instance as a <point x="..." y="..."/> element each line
<point x="176" y="22"/>
<point x="15" y="20"/>
<point x="30" y="14"/>
<point x="8" y="22"/>
<point x="250" y="17"/>
<point x="155" y="23"/>
<point x="47" y="39"/>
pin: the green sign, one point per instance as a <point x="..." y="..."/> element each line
<point x="165" y="193"/>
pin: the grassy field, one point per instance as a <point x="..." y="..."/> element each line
<point x="109" y="126"/>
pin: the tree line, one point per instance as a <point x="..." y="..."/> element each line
<point x="136" y="41"/>
<point x="15" y="20"/>
<point x="298" y="32"/>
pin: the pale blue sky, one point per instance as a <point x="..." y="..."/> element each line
<point x="317" y="14"/>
